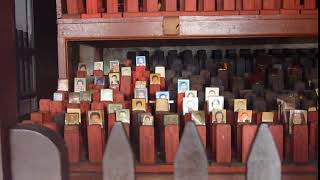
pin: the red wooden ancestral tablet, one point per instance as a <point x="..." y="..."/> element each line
<point x="75" y="7"/>
<point x="111" y="121"/>
<point x="84" y="107"/>
<point x="47" y="117"/>
<point x="44" y="105"/>
<point x="250" y="7"/>
<point x="150" y="5"/>
<point x="96" y="143"/>
<point x="147" y="145"/>
<point x="125" y="86"/>
<point x="131" y="8"/>
<point x="162" y="84"/>
<point x="209" y="5"/>
<point x="118" y="97"/>
<point x="309" y="7"/>
<point x="270" y="7"/>
<point x="190" y="5"/>
<point x="228" y="8"/>
<point x="153" y="89"/>
<point x="112" y="9"/>
<point x="290" y="7"/>
<point x="93" y="9"/>
<point x="81" y="74"/>
<point x="180" y="102"/>
<point x="96" y="96"/>
<point x="36" y="117"/>
<point x="97" y="106"/>
<point x="247" y="134"/>
<point x="57" y="107"/>
<point x="277" y="134"/>
<point x="313" y="135"/>
<point x="222" y="145"/>
<point x="171" y="142"/>
<point x="202" y="134"/>
<point x="300" y="143"/>
<point x="72" y="139"/>
<point x="170" y="5"/>
<point x="73" y="106"/>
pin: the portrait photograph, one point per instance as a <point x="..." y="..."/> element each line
<point x="162" y="105"/>
<point x="141" y="93"/>
<point x="98" y="66"/>
<point x="95" y="118"/>
<point x="141" y="115"/>
<point x="267" y="117"/>
<point x="114" y="66"/>
<point x="211" y="92"/>
<point x="171" y="119"/>
<point x="114" y="79"/>
<point x="100" y="81"/>
<point x="140" y="61"/>
<point x="138" y="104"/>
<point x="63" y="85"/>
<point x="126" y="71"/>
<point x="183" y="85"/>
<point x="191" y="94"/>
<point x="82" y="67"/>
<point x="75" y="111"/>
<point x="219" y="116"/>
<point x="141" y="84"/>
<point x="74" y="98"/>
<point x="85" y="96"/>
<point x="240" y="105"/>
<point x="297" y="117"/>
<point x="160" y="70"/>
<point x="80" y="84"/>
<point x="106" y="95"/>
<point x="123" y="116"/>
<point x="163" y="95"/>
<point x="216" y="102"/>
<point x="112" y="108"/>
<point x="71" y="119"/>
<point x="190" y="104"/>
<point x="147" y="120"/>
<point x="244" y="116"/>
<point x="58" y="96"/>
<point x="154" y="78"/>
<point x="198" y="117"/>
<point x="88" y="67"/>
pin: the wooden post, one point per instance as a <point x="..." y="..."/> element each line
<point x="223" y="143"/>
<point x="171" y="141"/>
<point x="147" y="145"/>
<point x="95" y="143"/>
<point x="300" y="143"/>
<point x="72" y="139"/>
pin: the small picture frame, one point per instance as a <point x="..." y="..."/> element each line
<point x="162" y="105"/>
<point x="141" y="115"/>
<point x="63" y="85"/>
<point x="80" y="84"/>
<point x="171" y="119"/>
<point x="112" y="108"/>
<point x="85" y="96"/>
<point x="191" y="94"/>
<point x="216" y="102"/>
<point x="71" y="119"/>
<point x="219" y="116"/>
<point x="267" y="117"/>
<point x="74" y="98"/>
<point x="114" y="79"/>
<point x="99" y="81"/>
<point x="240" y="105"/>
<point x="141" y="93"/>
<point x="123" y="115"/>
<point x="190" y="104"/>
<point x="211" y="92"/>
<point x="147" y="120"/>
<point x="297" y="117"/>
<point x="82" y="67"/>
<point x="245" y="116"/>
<point x="95" y="118"/>
<point x="161" y="70"/>
<point x="58" y="96"/>
<point x="114" y="66"/>
<point x="141" y="84"/>
<point x="126" y="71"/>
<point x="138" y="104"/>
<point x="75" y="111"/>
<point x="106" y="95"/>
<point x="163" y="95"/>
<point x="198" y="117"/>
<point x="98" y="66"/>
<point x="140" y="61"/>
<point x="183" y="85"/>
<point x="155" y="78"/>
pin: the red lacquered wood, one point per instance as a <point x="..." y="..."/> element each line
<point x="313" y="142"/>
<point x="300" y="143"/>
<point x="209" y="5"/>
<point x="118" y="97"/>
<point x="95" y="143"/>
<point x="289" y="11"/>
<point x="131" y="6"/>
<point x="98" y="73"/>
<point x="180" y="102"/>
<point x="57" y="107"/>
<point x="111" y="121"/>
<point x="202" y="135"/>
<point x="288" y="148"/>
<point x="84" y="107"/>
<point x="186" y="118"/>
<point x="190" y="5"/>
<point x="97" y="106"/>
<point x="47" y="117"/>
<point x="291" y="4"/>
<point x="72" y="140"/>
<point x="182" y="5"/>
<point x="313" y="117"/>
<point x="44" y="105"/>
<point x="75" y="7"/>
<point x="277" y="134"/>
<point x="81" y="74"/>
<point x="223" y="143"/>
<point x="162" y="84"/>
<point x="150" y="5"/>
<point x="229" y="5"/>
<point x="153" y="89"/>
<point x="248" y="135"/>
<point x="51" y="125"/>
<point x="125" y="86"/>
<point x="73" y="106"/>
<point x="96" y="96"/>
<point x="171" y="142"/>
<point x="112" y="6"/>
<point x="213" y="138"/>
<point x="249" y="5"/>
<point x="170" y="5"/>
<point x="147" y="145"/>
<point x="36" y="117"/>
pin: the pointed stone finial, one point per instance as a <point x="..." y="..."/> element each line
<point x="264" y="162"/>
<point x="191" y="161"/>
<point x="118" y="160"/>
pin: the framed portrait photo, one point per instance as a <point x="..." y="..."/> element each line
<point x="141" y="93"/>
<point x="216" y="102"/>
<point x="114" y="79"/>
<point x="140" y="61"/>
<point x="138" y="104"/>
<point x="267" y="117"/>
<point x="171" y="119"/>
<point x="58" y="96"/>
<point x="240" y="105"/>
<point x="74" y="98"/>
<point x="75" y="111"/>
<point x="141" y="115"/>
<point x="297" y="117"/>
<point x="63" y="85"/>
<point x="219" y="116"/>
<point x="198" y="117"/>
<point x="161" y="70"/>
<point x="162" y="105"/>
<point x="190" y="104"/>
<point x="155" y="78"/>
<point x="126" y="71"/>
<point x="114" y="66"/>
<point x="85" y="96"/>
<point x="88" y="67"/>
<point x="163" y="95"/>
<point x="191" y="94"/>
<point x="147" y="120"/>
<point x="80" y="84"/>
<point x="98" y="66"/>
<point x="100" y="81"/>
<point x="95" y="118"/>
<point x="211" y="92"/>
<point x="245" y="116"/>
<point x="123" y="115"/>
<point x="71" y="119"/>
<point x="82" y="67"/>
<point x="140" y="84"/>
<point x="183" y="85"/>
<point x="112" y="108"/>
<point x="106" y="95"/>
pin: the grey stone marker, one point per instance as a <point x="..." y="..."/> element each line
<point x="264" y="162"/>
<point x="191" y="161"/>
<point x="118" y="160"/>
